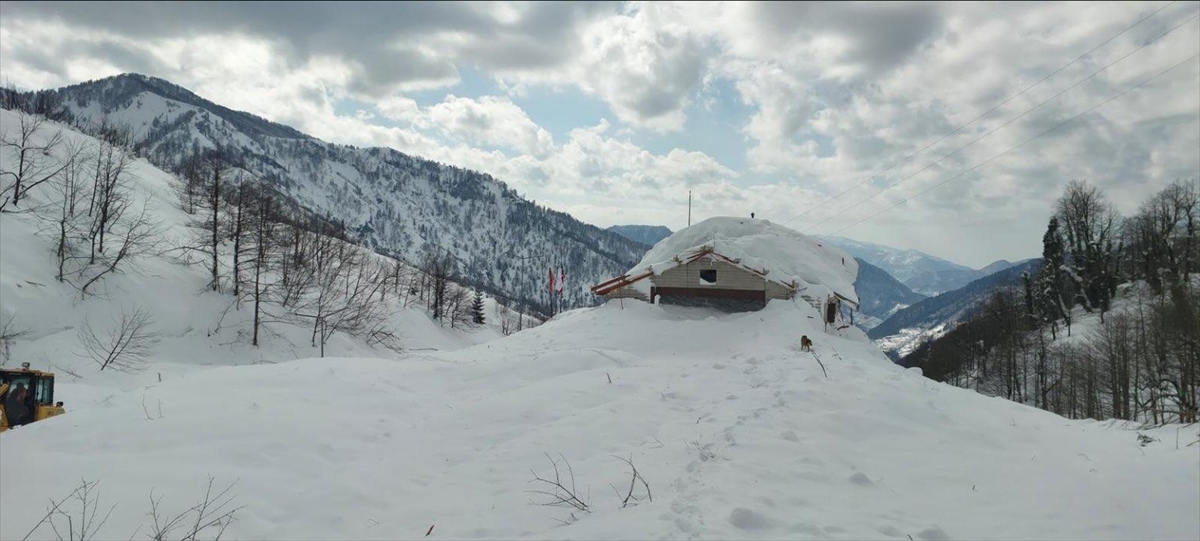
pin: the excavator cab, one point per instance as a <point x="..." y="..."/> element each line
<point x="26" y="396"/>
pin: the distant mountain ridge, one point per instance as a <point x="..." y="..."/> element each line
<point x="923" y="273"/>
<point x="394" y="203"/>
<point x="881" y="295"/>
<point x="645" y="234"/>
<point x="899" y="333"/>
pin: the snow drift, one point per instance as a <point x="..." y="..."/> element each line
<point x="738" y="434"/>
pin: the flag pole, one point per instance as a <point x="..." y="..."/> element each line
<point x="689" y="208"/>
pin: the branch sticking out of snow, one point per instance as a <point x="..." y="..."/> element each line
<point x="556" y="492"/>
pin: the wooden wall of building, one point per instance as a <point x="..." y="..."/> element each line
<point x="729" y="276"/>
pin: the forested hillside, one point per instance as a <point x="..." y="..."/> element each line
<point x="112" y="265"/>
<point x="395" y="204"/>
<point x="1108" y="327"/>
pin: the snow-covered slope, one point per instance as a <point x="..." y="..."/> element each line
<point x="737" y="433"/>
<point x="193" y="325"/>
<point x="781" y="254"/>
<point x="392" y="202"/>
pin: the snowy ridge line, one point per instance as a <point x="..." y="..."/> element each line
<point x="393" y="203"/>
<point x="172" y="284"/>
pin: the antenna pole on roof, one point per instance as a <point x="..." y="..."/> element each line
<point x="689" y="208"/>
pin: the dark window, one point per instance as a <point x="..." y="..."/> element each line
<point x="709" y="275"/>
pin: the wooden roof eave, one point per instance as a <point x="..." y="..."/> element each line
<point x="617" y="283"/>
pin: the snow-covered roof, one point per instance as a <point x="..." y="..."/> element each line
<point x="783" y="255"/>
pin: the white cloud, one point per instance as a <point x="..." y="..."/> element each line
<point x="492" y="121"/>
<point x="399" y="108"/>
<point x="641" y="63"/>
<point x="835" y="92"/>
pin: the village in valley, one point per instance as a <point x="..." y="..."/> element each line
<point x="565" y="270"/>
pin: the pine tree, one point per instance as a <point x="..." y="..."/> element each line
<point x="477" y="315"/>
<point x="1051" y="279"/>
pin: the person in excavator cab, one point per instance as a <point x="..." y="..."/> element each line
<point x="18" y="405"/>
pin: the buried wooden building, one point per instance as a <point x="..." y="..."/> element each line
<point x="739" y="264"/>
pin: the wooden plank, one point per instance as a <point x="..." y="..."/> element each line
<point x="624" y="281"/>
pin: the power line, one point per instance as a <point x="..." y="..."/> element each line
<point x="985" y="162"/>
<point x="1006" y="123"/>
<point x="985" y="113"/>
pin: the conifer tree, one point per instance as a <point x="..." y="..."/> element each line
<point x="477" y="315"/>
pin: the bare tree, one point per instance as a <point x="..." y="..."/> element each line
<point x="9" y="333"/>
<point x="33" y="145"/>
<point x="116" y="134"/>
<point x="81" y="523"/>
<point x="69" y="188"/>
<point x="1161" y="238"/>
<point x="296" y="272"/>
<point x="439" y="268"/>
<point x="124" y="347"/>
<point x="110" y="194"/>
<point x="458" y="305"/>
<point x="264" y="213"/>
<point x="210" y="517"/>
<point x="215" y="170"/>
<point x="10" y="97"/>
<point x="1091" y="225"/>
<point x="240" y="211"/>
<point x="137" y="236"/>
<point x="76" y="517"/>
<point x="190" y="185"/>
<point x="356" y="311"/>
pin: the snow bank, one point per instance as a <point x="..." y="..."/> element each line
<point x="739" y="435"/>
<point x="784" y="255"/>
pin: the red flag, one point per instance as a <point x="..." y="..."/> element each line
<point x="551" y="286"/>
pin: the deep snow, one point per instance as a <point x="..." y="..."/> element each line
<point x="738" y="433"/>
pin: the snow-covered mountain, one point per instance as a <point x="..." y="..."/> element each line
<point x="923" y="273"/>
<point x="392" y="202"/>
<point x="191" y="324"/>
<point x="899" y="334"/>
<point x="733" y="431"/>
<point x="645" y="234"/>
<point x="881" y="295"/>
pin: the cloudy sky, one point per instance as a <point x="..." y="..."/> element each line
<point x="613" y="111"/>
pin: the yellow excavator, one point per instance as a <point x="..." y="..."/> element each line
<point x="26" y="396"/>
